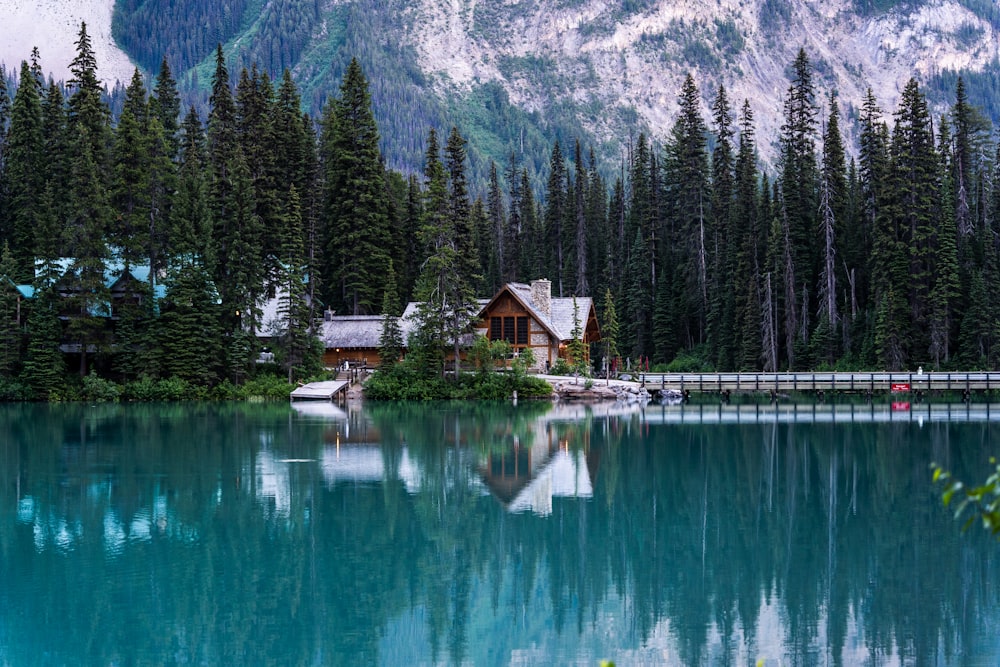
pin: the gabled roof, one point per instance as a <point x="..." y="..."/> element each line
<point x="408" y="320"/>
<point x="270" y="310"/>
<point x="26" y="290"/>
<point x="114" y="271"/>
<point x="560" y="322"/>
<point x="364" y="331"/>
<point x="352" y="331"/>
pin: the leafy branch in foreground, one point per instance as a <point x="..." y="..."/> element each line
<point x="983" y="500"/>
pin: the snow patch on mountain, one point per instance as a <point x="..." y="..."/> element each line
<point x="54" y="26"/>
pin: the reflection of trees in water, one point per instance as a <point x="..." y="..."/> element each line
<point x="698" y="527"/>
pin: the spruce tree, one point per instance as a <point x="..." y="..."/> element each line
<point x="355" y="209"/>
<point x="87" y="213"/>
<point x="637" y="300"/>
<point x="450" y="270"/>
<point x="190" y="327"/>
<point x="637" y="270"/>
<point x="511" y="240"/>
<point x="10" y="325"/>
<point x="259" y="145"/>
<point x="390" y="342"/>
<point x="576" y="349"/>
<point x="161" y="186"/>
<point x="243" y="283"/>
<point x="748" y="242"/>
<point x="615" y="249"/>
<point x="722" y="288"/>
<point x="688" y="180"/>
<point x="874" y="241"/>
<point x="492" y="254"/>
<point x="297" y="339"/>
<point x="165" y="106"/>
<point x="915" y="184"/>
<point x="832" y="210"/>
<point x="222" y="135"/>
<point x="24" y="172"/>
<point x="610" y="330"/>
<point x="945" y="288"/>
<point x="5" y="114"/>
<point x="58" y="157"/>
<point x="555" y="219"/>
<point x="412" y="218"/>
<point x="43" y="365"/>
<point x="581" y="236"/>
<point x="84" y="240"/>
<point x="129" y="231"/>
<point x="596" y="223"/>
<point x="88" y="114"/>
<point x="440" y="265"/>
<point x="470" y="270"/>
<point x="221" y="150"/>
<point x="190" y="228"/>
<point x="799" y="190"/>
<point x="532" y="260"/>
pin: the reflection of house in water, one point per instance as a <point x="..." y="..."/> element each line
<point x="359" y="464"/>
<point x="527" y="478"/>
<point x="546" y="458"/>
<point x="352" y="450"/>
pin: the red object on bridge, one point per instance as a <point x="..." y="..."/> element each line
<point x="898" y="387"/>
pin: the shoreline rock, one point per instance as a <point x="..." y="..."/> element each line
<point x="598" y="391"/>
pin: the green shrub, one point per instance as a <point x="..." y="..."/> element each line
<point x="265" y="386"/>
<point x="561" y="367"/>
<point x="533" y="387"/>
<point x="168" y="389"/>
<point x="99" y="390"/>
<point x="225" y="391"/>
<point x="12" y="389"/>
<point x="401" y="383"/>
<point x="143" y="389"/>
<point x="690" y="361"/>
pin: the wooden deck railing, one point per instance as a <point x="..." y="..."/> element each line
<point x="844" y="382"/>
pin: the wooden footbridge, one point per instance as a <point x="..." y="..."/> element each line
<point x="917" y="383"/>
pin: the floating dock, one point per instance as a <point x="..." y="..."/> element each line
<point x="867" y="383"/>
<point x="320" y="391"/>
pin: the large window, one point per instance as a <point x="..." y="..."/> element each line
<point x="522" y="331"/>
<point x="513" y="329"/>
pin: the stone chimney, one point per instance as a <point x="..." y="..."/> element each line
<point x="541" y="295"/>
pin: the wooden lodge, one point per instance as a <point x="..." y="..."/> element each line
<point x="351" y="339"/>
<point x="526" y="316"/>
<point x="122" y="286"/>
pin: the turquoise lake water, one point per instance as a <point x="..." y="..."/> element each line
<point x="269" y="534"/>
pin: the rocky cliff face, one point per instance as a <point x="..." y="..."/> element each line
<point x="612" y="66"/>
<point x="611" y="58"/>
<point x="53" y="27"/>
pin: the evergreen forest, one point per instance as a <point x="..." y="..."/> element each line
<point x="882" y="255"/>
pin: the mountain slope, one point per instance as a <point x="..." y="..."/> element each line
<point x="53" y="27"/>
<point x="604" y="57"/>
<point x="515" y="74"/>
